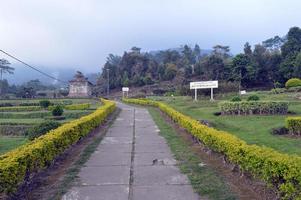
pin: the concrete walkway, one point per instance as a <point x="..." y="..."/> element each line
<point x="133" y="162"/>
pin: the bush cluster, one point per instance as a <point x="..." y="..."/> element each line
<point x="17" y="165"/>
<point x="44" y="103"/>
<point x="253" y="98"/>
<point x="41" y="129"/>
<point x="253" y="107"/>
<point x="57" y="110"/>
<point x="293" y="124"/>
<point x="293" y="82"/>
<point x="278" y="169"/>
<point x="235" y="99"/>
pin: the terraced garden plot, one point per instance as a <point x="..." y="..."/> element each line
<point x="253" y="129"/>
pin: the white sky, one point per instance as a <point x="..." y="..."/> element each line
<point x="81" y="33"/>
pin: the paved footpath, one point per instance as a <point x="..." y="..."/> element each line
<point x="133" y="162"/>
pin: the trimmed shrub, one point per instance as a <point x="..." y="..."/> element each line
<point x="41" y="129"/>
<point x="253" y="107"/>
<point x="293" y="124"/>
<point x="235" y="99"/>
<point x="278" y="169"/>
<point x="19" y="164"/>
<point x="253" y="98"/>
<point x="83" y="106"/>
<point x="280" y="131"/>
<point x="57" y="110"/>
<point x="293" y="82"/>
<point x="14" y="130"/>
<point x="20" y="108"/>
<point x="44" y="103"/>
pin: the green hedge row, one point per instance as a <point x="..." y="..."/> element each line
<point x="253" y="107"/>
<point x="82" y="106"/>
<point x="293" y="124"/>
<point x="42" y="114"/>
<point x="19" y="164"/>
<point x="280" y="170"/>
<point x="20" y="108"/>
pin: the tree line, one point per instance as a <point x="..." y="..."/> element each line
<point x="266" y="65"/>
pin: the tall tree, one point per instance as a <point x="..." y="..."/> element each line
<point x="5" y="68"/>
<point x="289" y="52"/>
<point x="243" y="71"/>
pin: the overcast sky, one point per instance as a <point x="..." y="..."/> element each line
<point x="80" y="34"/>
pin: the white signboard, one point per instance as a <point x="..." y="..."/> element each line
<point x="203" y="84"/>
<point x="243" y="92"/>
<point x="125" y="89"/>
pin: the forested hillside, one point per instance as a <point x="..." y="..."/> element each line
<point x="266" y="65"/>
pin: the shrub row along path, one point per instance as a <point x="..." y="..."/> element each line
<point x="132" y="162"/>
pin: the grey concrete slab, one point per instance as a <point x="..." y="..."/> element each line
<point x="166" y="192"/>
<point x="158" y="175"/>
<point x="107" y="192"/>
<point x="152" y="148"/>
<point x="117" y="140"/>
<point x="109" y="159"/>
<point x="114" y="148"/>
<point x="154" y="159"/>
<point x="105" y="175"/>
<point x="150" y="140"/>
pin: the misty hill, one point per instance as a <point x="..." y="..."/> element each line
<point x="23" y="74"/>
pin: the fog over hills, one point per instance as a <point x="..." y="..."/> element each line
<point x="23" y="74"/>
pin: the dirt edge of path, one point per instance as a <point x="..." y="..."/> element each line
<point x="242" y="184"/>
<point x="53" y="181"/>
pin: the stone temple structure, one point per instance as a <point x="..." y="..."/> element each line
<point x="79" y="86"/>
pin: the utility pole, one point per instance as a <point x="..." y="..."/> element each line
<point x="108" y="86"/>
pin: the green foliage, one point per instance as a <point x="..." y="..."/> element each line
<point x="57" y="110"/>
<point x="293" y="82"/>
<point x="253" y="98"/>
<point x="41" y="129"/>
<point x="253" y="107"/>
<point x="236" y="98"/>
<point x="17" y="164"/>
<point x="44" y="103"/>
<point x="293" y="124"/>
<point x="280" y="170"/>
<point x="20" y="108"/>
<point x="83" y="106"/>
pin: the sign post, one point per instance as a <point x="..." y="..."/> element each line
<point x="125" y="90"/>
<point x="203" y="85"/>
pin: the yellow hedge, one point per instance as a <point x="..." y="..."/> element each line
<point x="293" y="124"/>
<point x="277" y="169"/>
<point x="20" y="108"/>
<point x="17" y="165"/>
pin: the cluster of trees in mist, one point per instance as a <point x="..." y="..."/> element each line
<point x="266" y="65"/>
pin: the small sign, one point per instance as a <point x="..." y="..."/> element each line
<point x="125" y="89"/>
<point x="243" y="92"/>
<point x="203" y="84"/>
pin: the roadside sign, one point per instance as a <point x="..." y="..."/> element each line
<point x="243" y="92"/>
<point x="203" y="85"/>
<point x="125" y="89"/>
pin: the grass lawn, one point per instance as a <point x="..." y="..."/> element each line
<point x="252" y="129"/>
<point x="35" y="117"/>
<point x="204" y="180"/>
<point x="8" y="143"/>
